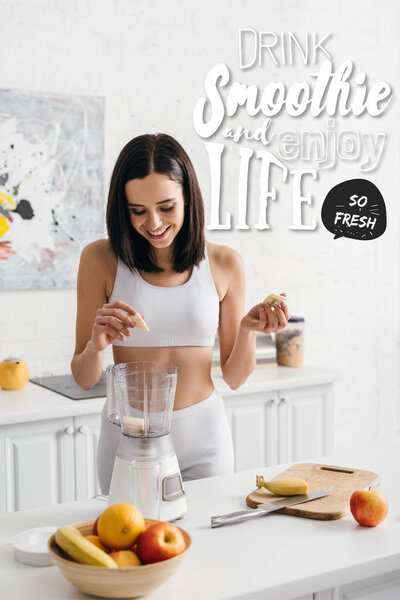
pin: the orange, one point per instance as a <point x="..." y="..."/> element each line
<point x="125" y="558"/>
<point x="97" y="542"/>
<point x="120" y="525"/>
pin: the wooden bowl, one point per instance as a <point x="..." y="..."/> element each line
<point x="126" y="582"/>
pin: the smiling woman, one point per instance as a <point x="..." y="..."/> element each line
<point x="156" y="262"/>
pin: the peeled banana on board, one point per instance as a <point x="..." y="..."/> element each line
<point x="284" y="487"/>
<point x="77" y="547"/>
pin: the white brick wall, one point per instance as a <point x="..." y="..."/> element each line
<point x="149" y="60"/>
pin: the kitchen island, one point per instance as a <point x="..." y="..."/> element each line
<point x="272" y="557"/>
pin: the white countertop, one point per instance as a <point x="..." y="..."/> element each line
<point x="35" y="403"/>
<point x="281" y="378"/>
<point x="272" y="557"/>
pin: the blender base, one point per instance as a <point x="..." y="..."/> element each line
<point x="146" y="474"/>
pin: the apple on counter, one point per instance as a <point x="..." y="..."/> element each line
<point x="369" y="507"/>
<point x="159" y="542"/>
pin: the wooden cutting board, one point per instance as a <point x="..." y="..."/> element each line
<point x="320" y="477"/>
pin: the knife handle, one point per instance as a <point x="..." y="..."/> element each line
<point x="240" y="515"/>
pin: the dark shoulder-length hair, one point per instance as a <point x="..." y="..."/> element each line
<point x="145" y="154"/>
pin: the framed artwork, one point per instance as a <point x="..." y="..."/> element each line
<point x="51" y="186"/>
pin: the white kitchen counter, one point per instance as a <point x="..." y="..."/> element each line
<point x="35" y="403"/>
<point x="272" y="557"/>
<point x="283" y="378"/>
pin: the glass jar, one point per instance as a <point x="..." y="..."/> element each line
<point x="289" y="343"/>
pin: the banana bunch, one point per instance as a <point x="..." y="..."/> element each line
<point x="284" y="487"/>
<point x="77" y="547"/>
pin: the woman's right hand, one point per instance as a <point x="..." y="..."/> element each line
<point x="112" y="323"/>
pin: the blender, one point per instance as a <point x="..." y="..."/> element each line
<point x="146" y="472"/>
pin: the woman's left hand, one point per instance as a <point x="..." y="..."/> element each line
<point x="262" y="318"/>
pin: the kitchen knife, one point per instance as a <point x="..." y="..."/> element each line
<point x="264" y="509"/>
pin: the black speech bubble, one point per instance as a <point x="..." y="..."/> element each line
<point x="354" y="209"/>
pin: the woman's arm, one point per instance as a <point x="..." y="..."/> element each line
<point x="98" y="323"/>
<point x="237" y="333"/>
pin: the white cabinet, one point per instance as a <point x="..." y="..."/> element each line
<point x="247" y="422"/>
<point x="381" y="587"/>
<point x="305" y="422"/>
<point x="37" y="460"/>
<point x="47" y="462"/>
<point x="280" y="426"/>
<point x="87" y="431"/>
<point x="384" y="587"/>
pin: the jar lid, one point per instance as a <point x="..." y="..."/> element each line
<point x="296" y="320"/>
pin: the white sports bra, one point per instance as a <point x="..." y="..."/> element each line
<point x="184" y="315"/>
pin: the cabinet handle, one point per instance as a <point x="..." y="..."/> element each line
<point x="274" y="401"/>
<point x="69" y="430"/>
<point x="283" y="400"/>
<point x="84" y="429"/>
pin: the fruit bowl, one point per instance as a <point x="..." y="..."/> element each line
<point x="126" y="582"/>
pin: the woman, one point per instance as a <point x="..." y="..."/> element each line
<point x="157" y="262"/>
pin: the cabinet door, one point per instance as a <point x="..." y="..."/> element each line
<point x="246" y="416"/>
<point x="38" y="460"/>
<point x="272" y="429"/>
<point x="305" y="423"/>
<point x="380" y="587"/>
<point x="87" y="431"/>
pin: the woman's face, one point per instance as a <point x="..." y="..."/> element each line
<point x="156" y="208"/>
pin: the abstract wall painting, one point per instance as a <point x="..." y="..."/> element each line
<point x="51" y="186"/>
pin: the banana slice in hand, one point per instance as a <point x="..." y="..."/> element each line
<point x="274" y="299"/>
<point x="139" y="321"/>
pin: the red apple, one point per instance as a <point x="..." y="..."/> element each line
<point x="159" y="542"/>
<point x="94" y="531"/>
<point x="369" y="507"/>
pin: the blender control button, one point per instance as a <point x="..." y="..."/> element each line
<point x="172" y="488"/>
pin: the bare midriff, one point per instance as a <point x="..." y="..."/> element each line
<point x="194" y="368"/>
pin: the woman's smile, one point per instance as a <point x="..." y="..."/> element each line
<point x="160" y="234"/>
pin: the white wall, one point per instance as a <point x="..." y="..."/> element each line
<point x="149" y="59"/>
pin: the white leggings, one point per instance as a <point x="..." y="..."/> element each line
<point x="201" y="438"/>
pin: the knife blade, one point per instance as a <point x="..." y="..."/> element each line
<point x="264" y="509"/>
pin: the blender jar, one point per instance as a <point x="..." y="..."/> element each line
<point x="289" y="343"/>
<point x="145" y="394"/>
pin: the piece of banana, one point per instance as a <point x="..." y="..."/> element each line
<point x="284" y="487"/>
<point x="274" y="299"/>
<point x="139" y="321"/>
<point x="80" y="549"/>
<point x="133" y="424"/>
